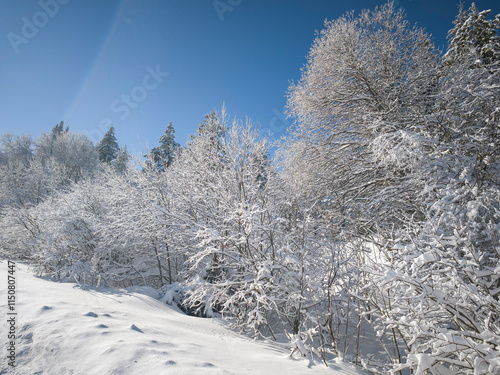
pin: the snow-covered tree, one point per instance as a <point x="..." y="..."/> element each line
<point x="474" y="38"/>
<point x="445" y="267"/>
<point x="59" y="129"/>
<point x="67" y="157"/>
<point x="16" y="154"/>
<point x="163" y="155"/>
<point x="224" y="201"/>
<point x="122" y="159"/>
<point x="401" y="156"/>
<point x="31" y="170"/>
<point x="16" y="148"/>
<point x="467" y="107"/>
<point x="108" y="146"/>
<point x="361" y="92"/>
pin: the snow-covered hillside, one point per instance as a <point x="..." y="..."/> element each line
<point x="64" y="329"/>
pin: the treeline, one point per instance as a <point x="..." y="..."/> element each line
<point x="372" y="234"/>
<point x="32" y="170"/>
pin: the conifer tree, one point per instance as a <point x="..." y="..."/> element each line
<point x="108" y="146"/>
<point x="163" y="155"/>
<point x="474" y="37"/>
<point x="121" y="161"/>
<point x="59" y="129"/>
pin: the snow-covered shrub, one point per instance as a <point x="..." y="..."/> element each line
<point x="401" y="151"/>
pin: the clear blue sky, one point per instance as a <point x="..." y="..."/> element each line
<point x="139" y="64"/>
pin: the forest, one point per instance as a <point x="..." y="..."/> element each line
<point x="370" y="232"/>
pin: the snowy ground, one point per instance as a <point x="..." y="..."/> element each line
<point x="63" y="329"/>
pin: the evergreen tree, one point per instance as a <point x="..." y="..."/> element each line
<point x="59" y="129"/>
<point x="213" y="130"/>
<point x="163" y="155"/>
<point x="121" y="162"/>
<point x="213" y="126"/>
<point x="474" y="38"/>
<point x="108" y="146"/>
<point x="469" y="82"/>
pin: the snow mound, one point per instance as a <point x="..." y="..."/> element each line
<point x="63" y="329"/>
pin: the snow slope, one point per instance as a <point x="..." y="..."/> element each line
<point x="64" y="329"/>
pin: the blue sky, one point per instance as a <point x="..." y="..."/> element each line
<point x="139" y="64"/>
